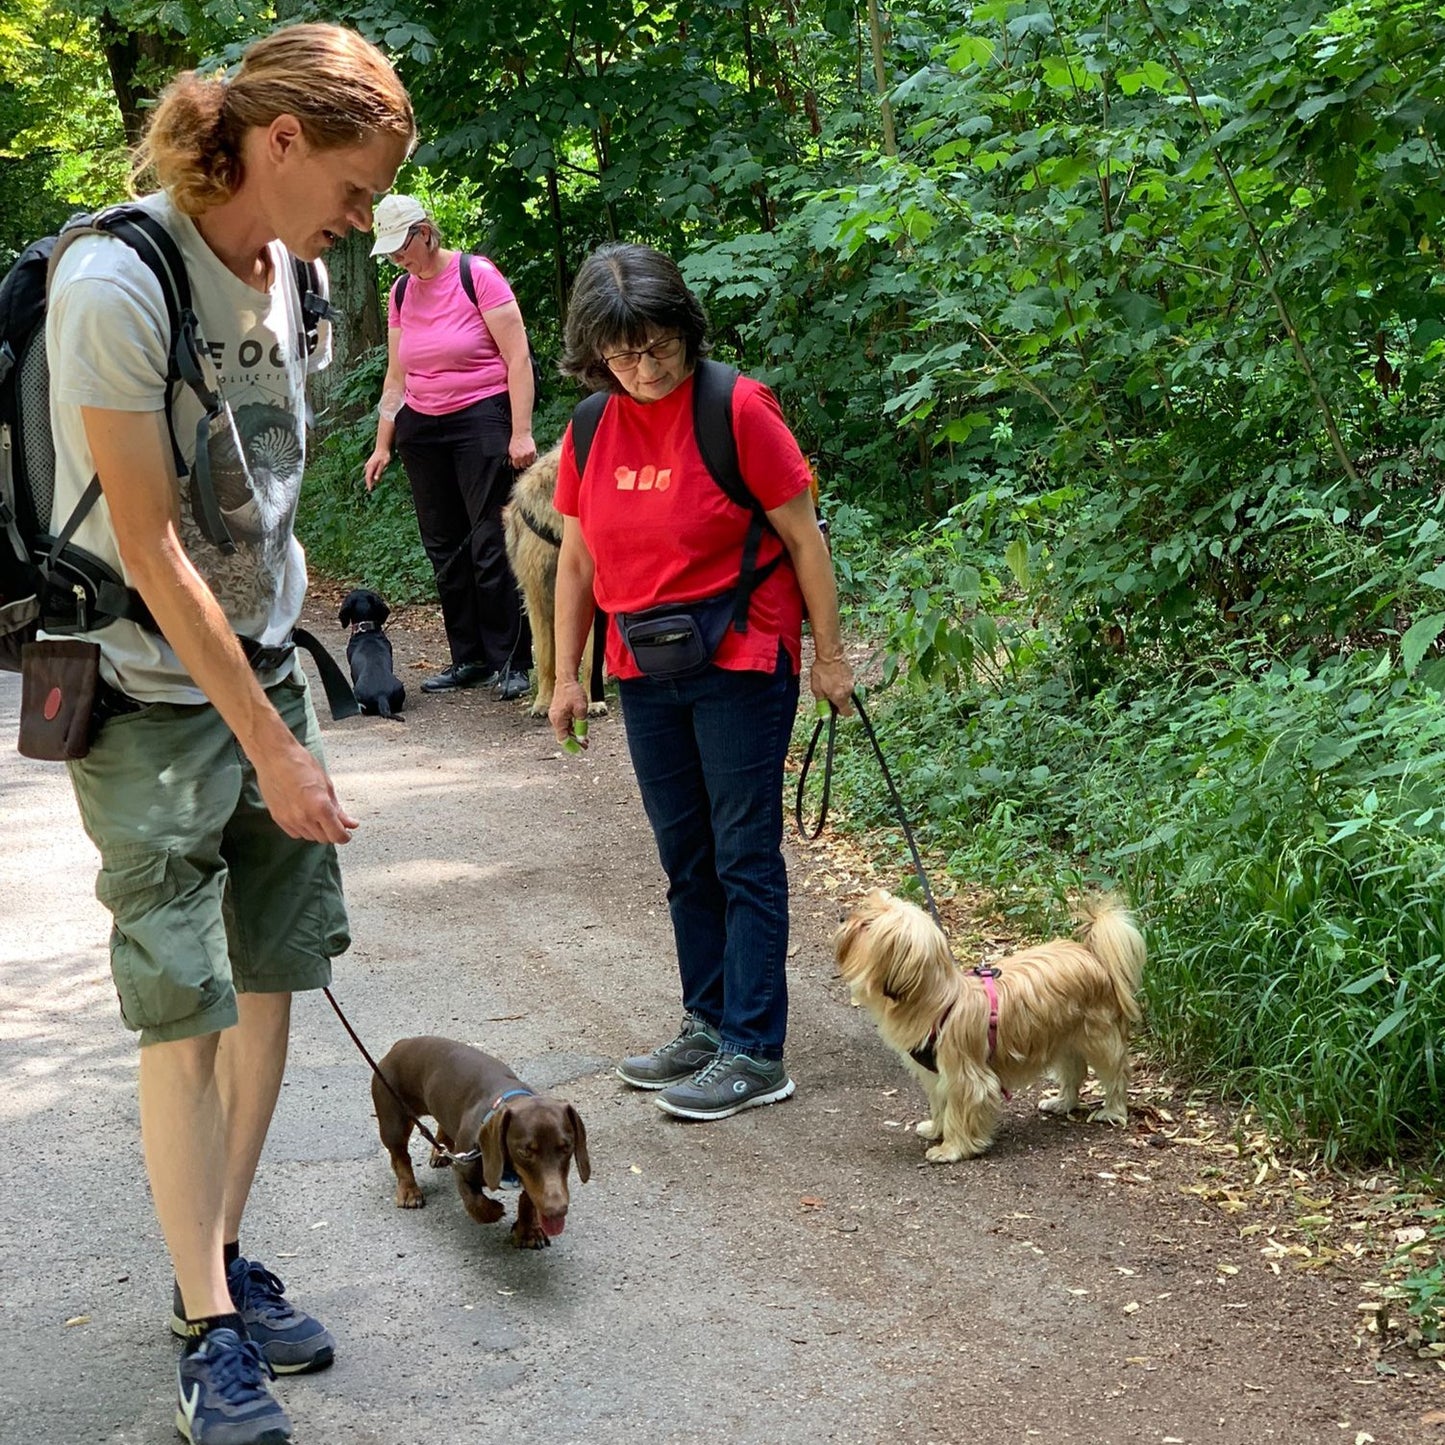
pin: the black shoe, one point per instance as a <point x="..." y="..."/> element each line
<point x="512" y="683"/>
<point x="460" y="674"/>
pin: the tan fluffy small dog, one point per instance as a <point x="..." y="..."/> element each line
<point x="1062" y="1007"/>
<point x="533" y="534"/>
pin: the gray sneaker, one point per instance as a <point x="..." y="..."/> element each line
<point x="727" y="1086"/>
<point x="674" y="1061"/>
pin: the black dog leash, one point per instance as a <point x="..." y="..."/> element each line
<point x="470" y="1157"/>
<point x="832" y="724"/>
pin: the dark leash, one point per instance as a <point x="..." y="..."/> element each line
<point x="926" y="1053"/>
<point x="469" y="1158"/>
<point x="831" y="723"/>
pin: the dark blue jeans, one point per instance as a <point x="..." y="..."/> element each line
<point x="708" y="751"/>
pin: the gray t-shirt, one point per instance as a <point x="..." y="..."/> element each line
<point x="107" y="337"/>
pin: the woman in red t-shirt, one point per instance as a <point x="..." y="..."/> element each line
<point x="647" y="526"/>
<point x="457" y="404"/>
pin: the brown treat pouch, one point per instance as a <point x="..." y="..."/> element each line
<point x="58" y="684"/>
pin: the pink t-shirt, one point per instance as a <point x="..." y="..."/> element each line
<point x="450" y="358"/>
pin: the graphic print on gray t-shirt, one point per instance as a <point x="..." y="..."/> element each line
<point x="256" y="492"/>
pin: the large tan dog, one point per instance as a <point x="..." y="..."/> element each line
<point x="534" y="539"/>
<point x="970" y="1037"/>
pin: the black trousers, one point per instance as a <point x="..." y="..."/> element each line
<point x="460" y="479"/>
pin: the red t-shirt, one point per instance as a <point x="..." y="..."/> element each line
<point x="660" y="529"/>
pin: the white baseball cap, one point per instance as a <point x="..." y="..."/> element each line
<point x="395" y="216"/>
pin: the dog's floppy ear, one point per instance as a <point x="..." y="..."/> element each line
<point x="494" y="1148"/>
<point x="348" y="609"/>
<point x="579" y="1139"/>
<point x="380" y="611"/>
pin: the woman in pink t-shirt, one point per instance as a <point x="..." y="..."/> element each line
<point x="457" y="404"/>
<point x="648" y="529"/>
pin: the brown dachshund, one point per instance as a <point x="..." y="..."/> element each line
<point x="480" y="1105"/>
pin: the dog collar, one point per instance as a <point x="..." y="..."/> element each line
<point x="510" y="1178"/>
<point x="368" y="626"/>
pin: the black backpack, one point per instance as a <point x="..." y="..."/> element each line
<point x="45" y="579"/>
<point x="469" y="285"/>
<point x="712" y="423"/>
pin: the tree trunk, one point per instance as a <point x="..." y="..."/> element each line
<point x="141" y="62"/>
<point x="357" y="324"/>
<point x="880" y="77"/>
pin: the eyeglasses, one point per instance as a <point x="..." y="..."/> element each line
<point x="411" y="236"/>
<point x="621" y="362"/>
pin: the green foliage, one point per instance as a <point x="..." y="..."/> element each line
<point x="61" y="144"/>
<point x="350" y="533"/>
<point x="1424" y="1285"/>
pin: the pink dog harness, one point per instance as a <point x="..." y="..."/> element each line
<point x="927" y="1053"/>
<point x="987" y="976"/>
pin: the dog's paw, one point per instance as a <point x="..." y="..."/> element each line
<point x="927" y="1129"/>
<point x="596" y="709"/>
<point x="533" y="1238"/>
<point x="1109" y="1116"/>
<point x="1059" y="1104"/>
<point x="946" y="1154"/>
<point x="438" y="1160"/>
<point x="409" y="1196"/>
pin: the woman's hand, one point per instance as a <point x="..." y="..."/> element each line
<point x="569" y="702"/>
<point x="832" y="681"/>
<point x="522" y="451"/>
<point x="376" y="464"/>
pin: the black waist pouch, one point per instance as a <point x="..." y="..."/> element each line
<point x="677" y="639"/>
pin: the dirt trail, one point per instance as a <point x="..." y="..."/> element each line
<point x="796" y="1274"/>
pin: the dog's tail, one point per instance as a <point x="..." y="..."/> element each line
<point x="1108" y="931"/>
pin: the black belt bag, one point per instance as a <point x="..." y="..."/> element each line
<point x="677" y="639"/>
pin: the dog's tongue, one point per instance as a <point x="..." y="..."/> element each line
<point x="553" y="1227"/>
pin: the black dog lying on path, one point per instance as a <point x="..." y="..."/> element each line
<point x="378" y="689"/>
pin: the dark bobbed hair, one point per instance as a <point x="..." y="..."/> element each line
<point x="624" y="294"/>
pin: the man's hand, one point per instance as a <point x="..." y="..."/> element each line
<point x="300" y="797"/>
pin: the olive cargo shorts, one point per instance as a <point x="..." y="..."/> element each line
<point x="207" y="895"/>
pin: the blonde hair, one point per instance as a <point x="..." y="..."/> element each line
<point x="339" y="86"/>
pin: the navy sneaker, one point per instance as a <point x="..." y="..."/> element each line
<point x="291" y="1340"/>
<point x="726" y="1086"/>
<point x="223" y="1398"/>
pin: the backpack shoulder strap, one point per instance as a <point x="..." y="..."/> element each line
<point x="586" y="417"/>
<point x="712" y="423"/>
<point x="469" y="282"/>
<point x="315" y="307"/>
<point x="157" y="249"/>
<point x="401" y="289"/>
